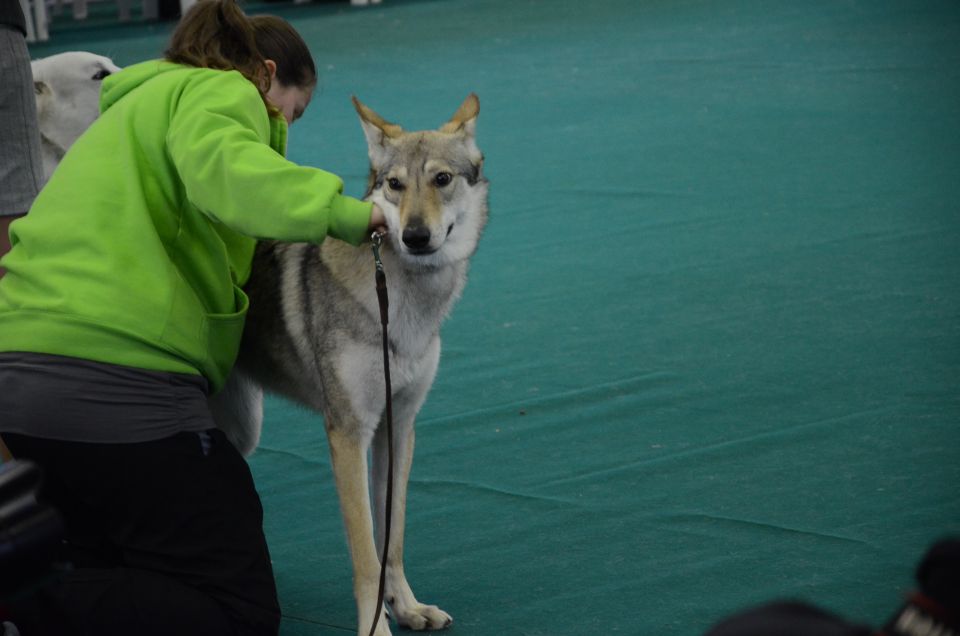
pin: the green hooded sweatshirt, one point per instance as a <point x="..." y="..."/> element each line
<point x="135" y="251"/>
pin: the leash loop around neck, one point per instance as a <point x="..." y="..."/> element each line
<point x="384" y="303"/>
<point x="376" y="240"/>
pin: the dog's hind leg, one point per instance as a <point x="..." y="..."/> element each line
<point x="348" y="453"/>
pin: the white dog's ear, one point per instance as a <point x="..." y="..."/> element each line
<point x="44" y="96"/>
<point x="465" y="119"/>
<point x="376" y="129"/>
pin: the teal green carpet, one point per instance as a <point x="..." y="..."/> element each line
<point x="709" y="354"/>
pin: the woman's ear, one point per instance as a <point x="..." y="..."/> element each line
<point x="271" y="73"/>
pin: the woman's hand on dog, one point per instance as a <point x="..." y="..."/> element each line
<point x="378" y="222"/>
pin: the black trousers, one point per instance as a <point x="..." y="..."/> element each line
<point x="164" y="537"/>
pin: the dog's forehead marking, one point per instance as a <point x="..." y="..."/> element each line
<point x="412" y="155"/>
<point x="421" y="147"/>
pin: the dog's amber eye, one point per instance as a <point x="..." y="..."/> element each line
<point x="394" y="183"/>
<point x="443" y="179"/>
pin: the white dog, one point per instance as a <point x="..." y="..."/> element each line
<point x="67" y="88"/>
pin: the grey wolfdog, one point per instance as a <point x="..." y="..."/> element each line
<point x="313" y="335"/>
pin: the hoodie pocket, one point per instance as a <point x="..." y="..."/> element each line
<point x="223" y="333"/>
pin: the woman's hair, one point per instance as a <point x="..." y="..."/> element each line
<point x="218" y="34"/>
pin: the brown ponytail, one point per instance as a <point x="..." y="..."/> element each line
<point x="217" y="34"/>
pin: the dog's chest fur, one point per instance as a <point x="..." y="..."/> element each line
<point x="328" y="329"/>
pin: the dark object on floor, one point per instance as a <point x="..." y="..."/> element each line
<point x="30" y="532"/>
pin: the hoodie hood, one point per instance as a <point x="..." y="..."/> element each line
<point x="116" y="85"/>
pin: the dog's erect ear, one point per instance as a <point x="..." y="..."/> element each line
<point x="375" y="127"/>
<point x="377" y="130"/>
<point x="465" y="119"/>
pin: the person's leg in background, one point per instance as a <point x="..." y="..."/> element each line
<point x="21" y="169"/>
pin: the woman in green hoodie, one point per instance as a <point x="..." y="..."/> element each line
<point x="122" y="309"/>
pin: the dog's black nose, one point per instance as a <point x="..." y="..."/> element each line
<point x="416" y="237"/>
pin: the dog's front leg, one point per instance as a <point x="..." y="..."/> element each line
<point x="348" y="455"/>
<point x="408" y="612"/>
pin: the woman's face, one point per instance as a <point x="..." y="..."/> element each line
<point x="289" y="100"/>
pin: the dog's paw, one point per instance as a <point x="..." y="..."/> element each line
<point x="383" y="626"/>
<point x="421" y="617"/>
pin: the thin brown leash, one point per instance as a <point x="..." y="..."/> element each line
<point x="377" y="239"/>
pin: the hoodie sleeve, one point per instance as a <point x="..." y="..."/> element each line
<point x="218" y="140"/>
